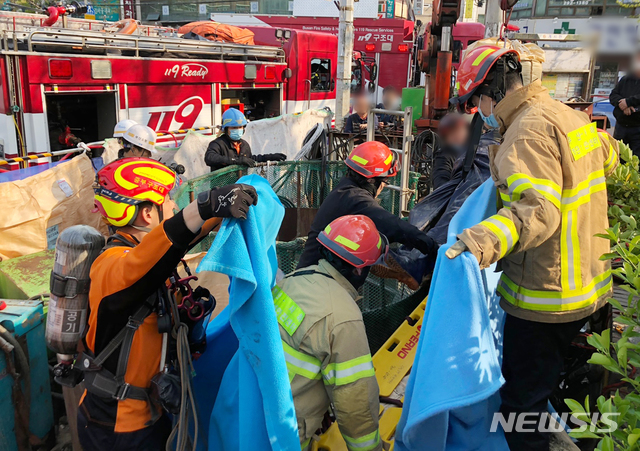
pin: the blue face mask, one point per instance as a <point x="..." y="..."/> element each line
<point x="490" y="120"/>
<point x="236" y="134"/>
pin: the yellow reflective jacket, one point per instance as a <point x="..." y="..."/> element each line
<point x="550" y="173"/>
<point x="327" y="354"/>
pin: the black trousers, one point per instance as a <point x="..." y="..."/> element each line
<point x="95" y="437"/>
<point x="630" y="136"/>
<point x="533" y="357"/>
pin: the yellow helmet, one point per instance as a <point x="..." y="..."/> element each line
<point x="125" y="183"/>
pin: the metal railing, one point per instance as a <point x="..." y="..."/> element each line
<point x="82" y="148"/>
<point x="75" y="40"/>
<point x="404" y="154"/>
<point x="85" y="147"/>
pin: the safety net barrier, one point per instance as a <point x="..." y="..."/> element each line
<point x="301" y="187"/>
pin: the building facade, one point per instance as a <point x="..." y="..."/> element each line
<point x="607" y="22"/>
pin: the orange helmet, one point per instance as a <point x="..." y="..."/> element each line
<point x="127" y="182"/>
<point x="372" y="159"/>
<point x="355" y="239"/>
<point x="474" y="69"/>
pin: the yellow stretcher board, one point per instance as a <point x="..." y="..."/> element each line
<point x="392" y="363"/>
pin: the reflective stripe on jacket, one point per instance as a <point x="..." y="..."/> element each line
<point x="327" y="353"/>
<point x="550" y="173"/>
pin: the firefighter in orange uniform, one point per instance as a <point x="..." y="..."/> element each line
<point x="132" y="194"/>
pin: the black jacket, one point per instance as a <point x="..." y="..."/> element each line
<point x="627" y="88"/>
<point x="349" y="199"/>
<point x="221" y="153"/>
<point x="443" y="164"/>
<point x="387" y="119"/>
<point x="353" y="123"/>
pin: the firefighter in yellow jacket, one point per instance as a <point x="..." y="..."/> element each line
<point x="550" y="173"/>
<point x="324" y="338"/>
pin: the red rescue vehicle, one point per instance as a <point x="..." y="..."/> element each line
<point x="386" y="42"/>
<point x="389" y="43"/>
<point x="80" y="77"/>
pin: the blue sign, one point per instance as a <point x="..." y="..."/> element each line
<point x="108" y="10"/>
<point x="391" y="6"/>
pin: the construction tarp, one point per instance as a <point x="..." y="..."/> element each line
<point x="283" y="134"/>
<point x="36" y="209"/>
<point x="220" y="32"/>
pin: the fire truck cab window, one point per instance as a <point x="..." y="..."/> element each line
<point x="73" y="118"/>
<point x="256" y="103"/>
<point x="320" y="75"/>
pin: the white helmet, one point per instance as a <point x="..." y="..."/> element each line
<point x="141" y="136"/>
<point x="123" y="126"/>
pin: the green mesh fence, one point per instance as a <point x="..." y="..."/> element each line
<point x="300" y="185"/>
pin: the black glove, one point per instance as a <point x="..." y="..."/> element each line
<point x="270" y="157"/>
<point x="427" y="245"/>
<point x="231" y="201"/>
<point x="247" y="161"/>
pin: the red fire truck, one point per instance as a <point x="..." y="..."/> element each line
<point x="390" y="43"/>
<point x="79" y="77"/>
<point x="387" y="42"/>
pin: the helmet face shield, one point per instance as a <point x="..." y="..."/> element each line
<point x="474" y="73"/>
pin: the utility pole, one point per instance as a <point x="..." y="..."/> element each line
<point x="493" y="19"/>
<point x="345" y="54"/>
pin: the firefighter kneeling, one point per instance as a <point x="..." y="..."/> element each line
<point x="131" y="329"/>
<point x="324" y="338"/>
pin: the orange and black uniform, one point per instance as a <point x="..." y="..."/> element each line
<point x="122" y="278"/>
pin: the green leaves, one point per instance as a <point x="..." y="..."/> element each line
<point x="619" y="410"/>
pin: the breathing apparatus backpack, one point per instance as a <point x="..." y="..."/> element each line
<point x="77" y="248"/>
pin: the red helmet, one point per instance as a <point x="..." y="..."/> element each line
<point x="355" y="239"/>
<point x="474" y="69"/>
<point x="372" y="159"/>
<point x="123" y="184"/>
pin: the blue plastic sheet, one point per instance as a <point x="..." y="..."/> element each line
<point x="247" y="397"/>
<point x="452" y="391"/>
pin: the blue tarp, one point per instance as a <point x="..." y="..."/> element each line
<point x="21" y="174"/>
<point x="255" y="408"/>
<point x="452" y="391"/>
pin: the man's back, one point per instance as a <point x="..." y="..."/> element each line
<point x="350" y="199"/>
<point x="326" y="349"/>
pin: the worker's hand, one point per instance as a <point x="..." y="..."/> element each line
<point x="247" y="161"/>
<point x="458" y="248"/>
<point x="380" y="124"/>
<point x="623" y="104"/>
<point x="363" y="126"/>
<point x="232" y="201"/>
<point x="629" y="111"/>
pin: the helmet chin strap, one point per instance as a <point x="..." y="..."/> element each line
<point x="148" y="229"/>
<point x="140" y="228"/>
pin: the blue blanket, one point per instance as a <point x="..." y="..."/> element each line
<point x="253" y="407"/>
<point x="452" y="392"/>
